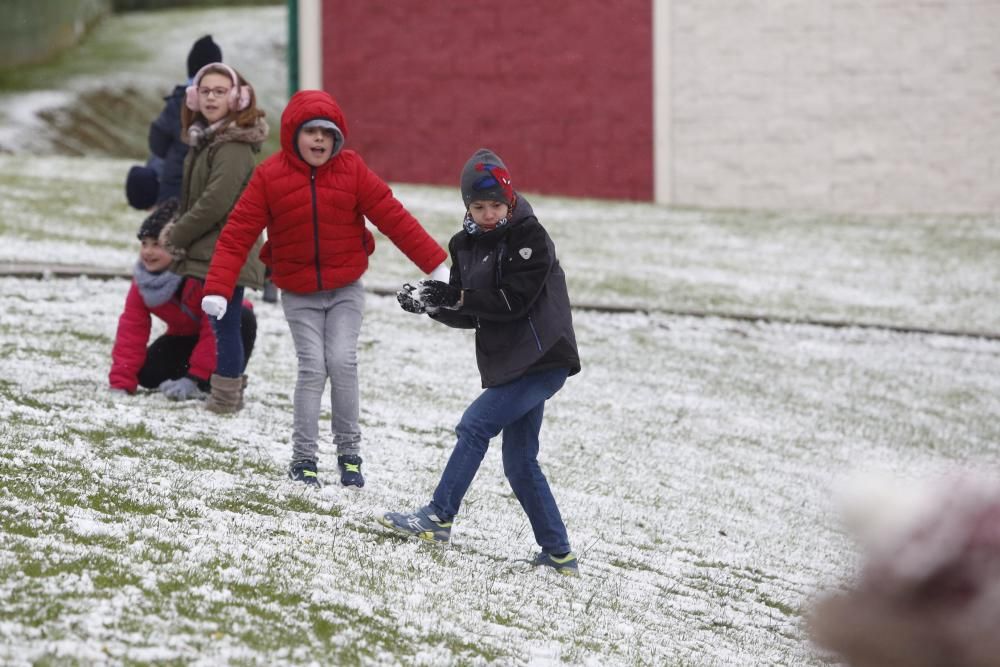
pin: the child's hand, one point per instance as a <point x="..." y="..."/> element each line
<point x="407" y="302"/>
<point x="439" y="294"/>
<point x="213" y="305"/>
<point x="441" y="272"/>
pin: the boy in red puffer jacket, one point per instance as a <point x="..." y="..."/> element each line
<point x="313" y="197"/>
<point x="180" y="362"/>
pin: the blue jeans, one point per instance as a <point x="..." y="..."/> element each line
<point x="229" y="360"/>
<point x="516" y="409"/>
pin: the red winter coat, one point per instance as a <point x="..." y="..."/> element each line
<point x="315" y="216"/>
<point x="183" y="316"/>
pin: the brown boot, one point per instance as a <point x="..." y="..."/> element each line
<point x="243" y="389"/>
<point x="226" y="395"/>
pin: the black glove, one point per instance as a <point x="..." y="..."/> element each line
<point x="407" y="302"/>
<point x="438" y="294"/>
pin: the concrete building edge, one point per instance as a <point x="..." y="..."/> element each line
<point x="663" y="172"/>
<point x="310" y="44"/>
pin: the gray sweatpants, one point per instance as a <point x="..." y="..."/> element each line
<point x="325" y="328"/>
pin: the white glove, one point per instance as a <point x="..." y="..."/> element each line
<point x="441" y="273"/>
<point x="214" y="305"/>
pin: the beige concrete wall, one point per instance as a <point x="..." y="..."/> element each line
<point x="839" y="105"/>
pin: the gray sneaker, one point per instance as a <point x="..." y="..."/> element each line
<point x="422" y="523"/>
<point x="565" y="565"/>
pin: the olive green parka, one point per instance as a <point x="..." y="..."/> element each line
<point x="216" y="170"/>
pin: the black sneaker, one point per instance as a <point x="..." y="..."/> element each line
<point x="350" y="470"/>
<point x="304" y="471"/>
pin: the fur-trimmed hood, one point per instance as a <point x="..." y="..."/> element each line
<point x="199" y="134"/>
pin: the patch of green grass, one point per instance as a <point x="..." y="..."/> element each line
<point x="784" y="608"/>
<point x="302" y="503"/>
<point x="99" y="339"/>
<point x="631" y="565"/>
<point x="9" y="392"/>
<point x="102" y="437"/>
<point x="205" y="443"/>
<point x="95" y="53"/>
<point x="116" y="501"/>
<point x="245" y="501"/>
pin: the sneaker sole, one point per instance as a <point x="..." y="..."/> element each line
<point x="425" y="536"/>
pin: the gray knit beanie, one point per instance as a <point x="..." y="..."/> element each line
<point x="485" y="178"/>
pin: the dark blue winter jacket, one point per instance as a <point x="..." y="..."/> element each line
<point x="165" y="142"/>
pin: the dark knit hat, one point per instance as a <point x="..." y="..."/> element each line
<point x="142" y="187"/>
<point x="202" y="53"/>
<point x="157" y="220"/>
<point x="485" y="178"/>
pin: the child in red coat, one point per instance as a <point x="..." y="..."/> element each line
<point x="180" y="362"/>
<point x="313" y="197"/>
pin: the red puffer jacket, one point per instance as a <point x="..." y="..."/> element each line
<point x="183" y="316"/>
<point x="315" y="216"/>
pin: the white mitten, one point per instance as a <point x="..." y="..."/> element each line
<point x="214" y="305"/>
<point x="441" y="273"/>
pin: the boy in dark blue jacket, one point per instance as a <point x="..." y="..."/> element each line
<point x="507" y="284"/>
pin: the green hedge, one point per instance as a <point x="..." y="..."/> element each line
<point x="130" y="5"/>
<point x="33" y="32"/>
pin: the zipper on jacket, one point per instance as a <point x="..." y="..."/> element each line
<point x="315" y="212"/>
<point x="534" y="332"/>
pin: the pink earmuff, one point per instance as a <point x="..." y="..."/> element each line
<point x="239" y="96"/>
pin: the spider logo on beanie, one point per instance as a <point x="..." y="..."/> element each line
<point x="485" y="178"/>
<point x="496" y="176"/>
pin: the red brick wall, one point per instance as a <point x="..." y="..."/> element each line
<point x="562" y="91"/>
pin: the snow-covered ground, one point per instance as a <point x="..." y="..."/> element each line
<point x="694" y="458"/>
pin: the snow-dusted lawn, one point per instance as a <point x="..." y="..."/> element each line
<point x="692" y="459"/>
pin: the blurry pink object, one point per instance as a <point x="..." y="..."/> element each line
<point x="928" y="593"/>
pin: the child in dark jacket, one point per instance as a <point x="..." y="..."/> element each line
<point x="180" y="362"/>
<point x="166" y="140"/>
<point x="312" y="197"/>
<point x="507" y="284"/>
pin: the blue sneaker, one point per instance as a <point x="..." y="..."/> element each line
<point x="350" y="470"/>
<point x="422" y="523"/>
<point x="304" y="471"/>
<point x="565" y="565"/>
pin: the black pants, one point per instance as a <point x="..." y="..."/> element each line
<point x="167" y="358"/>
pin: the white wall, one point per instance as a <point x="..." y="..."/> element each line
<point x="841" y="105"/>
<point x="310" y="19"/>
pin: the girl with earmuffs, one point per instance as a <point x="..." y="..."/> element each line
<point x="224" y="130"/>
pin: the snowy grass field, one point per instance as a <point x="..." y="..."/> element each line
<point x="694" y="458"/>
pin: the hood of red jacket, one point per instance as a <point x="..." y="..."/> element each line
<point x="308" y="105"/>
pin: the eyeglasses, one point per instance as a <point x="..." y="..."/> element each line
<point x="214" y="92"/>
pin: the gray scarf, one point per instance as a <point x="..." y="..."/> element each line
<point x="155" y="288"/>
